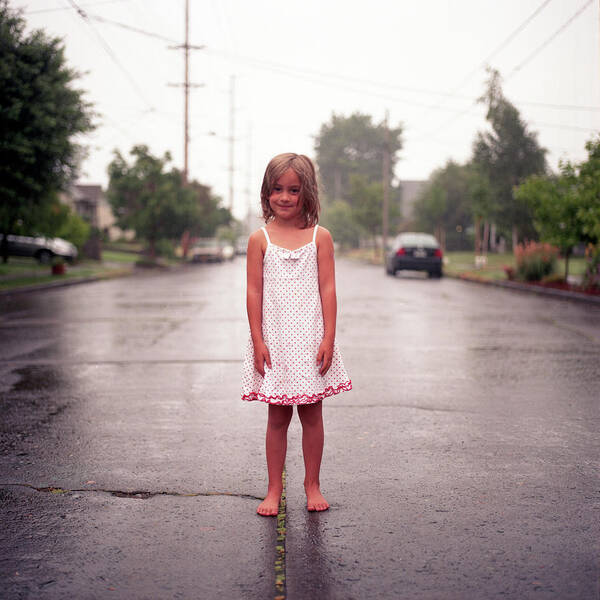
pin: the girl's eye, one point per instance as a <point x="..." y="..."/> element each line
<point x="295" y="190"/>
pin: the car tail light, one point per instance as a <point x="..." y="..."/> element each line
<point x="438" y="253"/>
<point x="400" y="252"/>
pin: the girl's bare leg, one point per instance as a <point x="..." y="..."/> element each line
<point x="276" y="445"/>
<point x="311" y="417"/>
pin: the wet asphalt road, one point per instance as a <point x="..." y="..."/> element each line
<point x="464" y="464"/>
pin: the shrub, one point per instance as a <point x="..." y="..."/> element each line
<point x="75" y="230"/>
<point x="165" y="248"/>
<point x="510" y="272"/>
<point x="535" y="261"/>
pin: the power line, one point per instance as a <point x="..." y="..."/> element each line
<point x="110" y="52"/>
<point x="485" y="62"/>
<point x="59" y="8"/>
<point x="561" y="126"/>
<point x="505" y="43"/>
<point x="283" y="68"/>
<point x="134" y="29"/>
<point x="325" y="78"/>
<point x="518" y="67"/>
<point x="573" y="107"/>
<point x="543" y="45"/>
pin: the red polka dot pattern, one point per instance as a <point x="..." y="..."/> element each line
<point x="293" y="331"/>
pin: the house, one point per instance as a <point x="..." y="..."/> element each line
<point x="90" y="203"/>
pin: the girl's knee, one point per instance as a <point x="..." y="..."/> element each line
<point x="279" y="416"/>
<point x="310" y="414"/>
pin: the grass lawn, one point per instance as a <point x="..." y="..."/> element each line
<point x="22" y="272"/>
<point x="463" y="263"/>
<point x="459" y="263"/>
<point x="120" y="257"/>
<point x="132" y="247"/>
<point x="16" y="265"/>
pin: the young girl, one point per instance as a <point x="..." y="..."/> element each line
<point x="292" y="357"/>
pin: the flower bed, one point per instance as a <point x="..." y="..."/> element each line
<point x="562" y="285"/>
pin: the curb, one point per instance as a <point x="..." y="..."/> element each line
<point x="38" y="287"/>
<point x="532" y="289"/>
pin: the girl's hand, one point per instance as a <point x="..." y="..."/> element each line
<point x="325" y="356"/>
<point x="261" y="356"/>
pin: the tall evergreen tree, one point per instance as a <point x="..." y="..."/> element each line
<point x="507" y="154"/>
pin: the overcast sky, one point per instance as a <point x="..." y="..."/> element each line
<point x="296" y="63"/>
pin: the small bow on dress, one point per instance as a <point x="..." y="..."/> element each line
<point x="292" y="254"/>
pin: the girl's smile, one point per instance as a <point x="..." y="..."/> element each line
<point x="285" y="196"/>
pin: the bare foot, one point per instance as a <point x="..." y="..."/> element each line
<point x="269" y="507"/>
<point x="315" y="500"/>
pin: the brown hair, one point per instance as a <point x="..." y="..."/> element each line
<point x="309" y="191"/>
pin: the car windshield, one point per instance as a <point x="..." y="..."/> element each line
<point x="421" y="240"/>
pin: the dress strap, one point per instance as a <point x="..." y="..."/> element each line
<point x="266" y="234"/>
<point x="315" y="233"/>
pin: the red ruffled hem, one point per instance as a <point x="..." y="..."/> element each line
<point x="301" y="398"/>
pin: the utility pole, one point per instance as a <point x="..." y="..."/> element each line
<point x="231" y="137"/>
<point x="386" y="185"/>
<point x="249" y="194"/>
<point x="186" y="90"/>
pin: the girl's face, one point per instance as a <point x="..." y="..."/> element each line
<point x="285" y="198"/>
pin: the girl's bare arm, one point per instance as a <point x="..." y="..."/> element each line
<point x="328" y="297"/>
<point x="254" y="297"/>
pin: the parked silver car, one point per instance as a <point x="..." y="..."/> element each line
<point x="42" y="248"/>
<point x="207" y="250"/>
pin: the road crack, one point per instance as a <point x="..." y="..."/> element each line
<point x="136" y="494"/>
<point x="280" y="567"/>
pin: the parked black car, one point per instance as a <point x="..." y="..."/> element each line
<point x="42" y="248"/>
<point x="415" y="252"/>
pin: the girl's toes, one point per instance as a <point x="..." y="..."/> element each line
<point x="268" y="509"/>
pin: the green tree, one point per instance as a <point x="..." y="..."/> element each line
<point x="155" y="203"/>
<point x="589" y="192"/>
<point x="430" y="209"/>
<point x="340" y="220"/>
<point x="353" y="145"/>
<point x="40" y="115"/>
<point x="566" y="207"/>
<point x="74" y="229"/>
<point x="507" y="155"/>
<point x="555" y="203"/>
<point x="481" y="203"/>
<point x="366" y="203"/>
<point x="443" y="207"/>
<point x="212" y="214"/>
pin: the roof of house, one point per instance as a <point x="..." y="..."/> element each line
<point x="90" y="192"/>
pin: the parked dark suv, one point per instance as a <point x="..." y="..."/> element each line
<point x="415" y="252"/>
<point x="42" y="248"/>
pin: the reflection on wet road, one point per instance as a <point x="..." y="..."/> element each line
<point x="463" y="464"/>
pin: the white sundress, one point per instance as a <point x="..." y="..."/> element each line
<point x="292" y="328"/>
